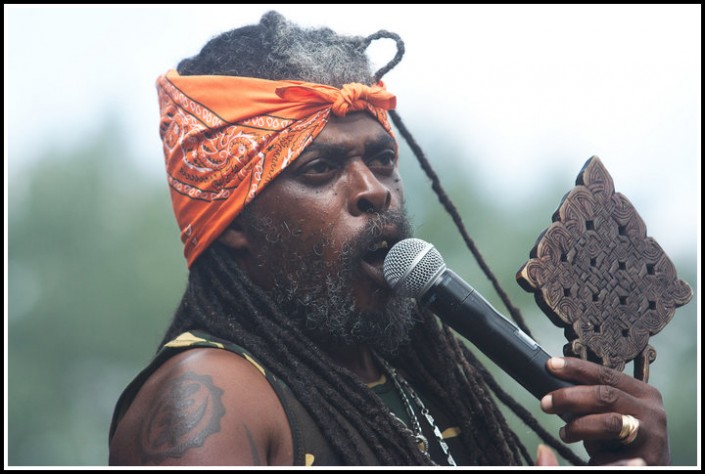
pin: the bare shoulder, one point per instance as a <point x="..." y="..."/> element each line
<point x="204" y="407"/>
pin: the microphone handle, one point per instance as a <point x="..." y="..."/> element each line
<point x="466" y="311"/>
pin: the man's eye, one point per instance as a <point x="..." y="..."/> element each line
<point x="383" y="161"/>
<point x="318" y="167"/>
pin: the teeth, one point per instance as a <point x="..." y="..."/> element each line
<point x="379" y="245"/>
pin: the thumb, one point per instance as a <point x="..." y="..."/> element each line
<point x="545" y="456"/>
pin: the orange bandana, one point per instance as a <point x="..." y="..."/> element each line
<point x="225" y="138"/>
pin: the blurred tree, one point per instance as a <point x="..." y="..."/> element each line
<point x="95" y="271"/>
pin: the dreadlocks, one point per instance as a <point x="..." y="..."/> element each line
<point x="276" y="49"/>
<point x="221" y="299"/>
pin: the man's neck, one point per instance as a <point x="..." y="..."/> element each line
<point x="359" y="360"/>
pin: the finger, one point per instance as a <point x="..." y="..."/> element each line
<point x="598" y="427"/>
<point x="584" y="399"/>
<point x="589" y="373"/>
<point x="545" y="456"/>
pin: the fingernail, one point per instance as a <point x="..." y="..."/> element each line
<point x="547" y="402"/>
<point x="556" y="362"/>
<point x="541" y="454"/>
<point x="561" y="433"/>
<point x="636" y="462"/>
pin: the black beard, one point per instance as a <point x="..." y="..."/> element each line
<point x="317" y="294"/>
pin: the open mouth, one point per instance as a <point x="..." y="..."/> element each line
<point x="373" y="260"/>
<point x="376" y="252"/>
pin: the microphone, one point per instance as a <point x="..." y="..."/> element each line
<point x="414" y="268"/>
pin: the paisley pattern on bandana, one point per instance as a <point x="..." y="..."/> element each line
<point x="225" y="138"/>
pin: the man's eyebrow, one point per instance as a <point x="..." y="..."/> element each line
<point x="380" y="143"/>
<point x="322" y="149"/>
<point x="376" y="144"/>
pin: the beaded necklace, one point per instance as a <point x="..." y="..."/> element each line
<point x="401" y="384"/>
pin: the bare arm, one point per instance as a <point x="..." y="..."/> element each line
<point x="204" y="407"/>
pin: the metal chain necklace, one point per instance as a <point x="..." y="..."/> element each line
<point x="401" y="384"/>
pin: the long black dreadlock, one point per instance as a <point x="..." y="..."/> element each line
<point x="220" y="298"/>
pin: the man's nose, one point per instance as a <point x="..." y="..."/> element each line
<point x="368" y="194"/>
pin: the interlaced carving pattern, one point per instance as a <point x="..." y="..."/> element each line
<point x="596" y="273"/>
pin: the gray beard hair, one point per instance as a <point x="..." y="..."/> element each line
<point x="319" y="297"/>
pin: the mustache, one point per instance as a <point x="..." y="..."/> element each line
<point x="379" y="225"/>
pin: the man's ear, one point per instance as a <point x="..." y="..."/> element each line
<point x="234" y="237"/>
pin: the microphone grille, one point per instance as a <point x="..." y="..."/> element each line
<point x="411" y="265"/>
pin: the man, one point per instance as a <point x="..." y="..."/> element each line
<point x="288" y="347"/>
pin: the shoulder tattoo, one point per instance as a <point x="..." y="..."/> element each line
<point x="187" y="411"/>
<point x="256" y="461"/>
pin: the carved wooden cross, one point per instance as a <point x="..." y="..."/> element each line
<point x="596" y="273"/>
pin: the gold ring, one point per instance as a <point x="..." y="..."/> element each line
<point x="630" y="428"/>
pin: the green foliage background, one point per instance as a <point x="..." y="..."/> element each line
<point x="95" y="270"/>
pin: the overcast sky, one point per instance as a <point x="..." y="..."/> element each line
<point x="526" y="91"/>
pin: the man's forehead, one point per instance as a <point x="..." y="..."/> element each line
<point x="352" y="130"/>
<point x="333" y="144"/>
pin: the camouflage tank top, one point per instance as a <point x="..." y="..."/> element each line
<point x="311" y="448"/>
